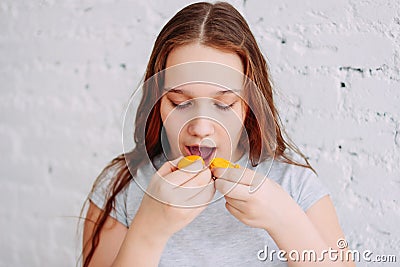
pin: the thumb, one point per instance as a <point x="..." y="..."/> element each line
<point x="194" y="167"/>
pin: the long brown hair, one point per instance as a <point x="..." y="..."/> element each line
<point x="222" y="27"/>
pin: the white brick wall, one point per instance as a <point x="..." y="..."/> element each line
<point x="67" y="69"/>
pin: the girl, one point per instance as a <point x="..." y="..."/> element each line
<point x="181" y="219"/>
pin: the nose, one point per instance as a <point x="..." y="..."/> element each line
<point x="201" y="127"/>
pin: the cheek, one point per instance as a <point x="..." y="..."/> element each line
<point x="164" y="109"/>
<point x="172" y="122"/>
<point x="237" y="125"/>
<point x="242" y="111"/>
<point x="233" y="128"/>
<point x="236" y="133"/>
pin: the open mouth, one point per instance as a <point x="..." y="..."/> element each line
<point x="205" y="152"/>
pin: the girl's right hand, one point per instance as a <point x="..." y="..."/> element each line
<point x="174" y="198"/>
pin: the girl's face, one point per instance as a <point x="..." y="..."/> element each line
<point x="203" y="118"/>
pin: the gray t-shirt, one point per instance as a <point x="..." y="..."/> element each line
<point x="215" y="237"/>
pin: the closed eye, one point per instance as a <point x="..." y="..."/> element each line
<point x="182" y="105"/>
<point x="224" y="107"/>
<point x="188" y="103"/>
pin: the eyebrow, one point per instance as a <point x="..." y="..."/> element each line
<point x="179" y="91"/>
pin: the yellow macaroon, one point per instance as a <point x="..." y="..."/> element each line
<point x="223" y="163"/>
<point x="186" y="161"/>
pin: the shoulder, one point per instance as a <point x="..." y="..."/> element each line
<point x="127" y="201"/>
<point x="102" y="184"/>
<point x="102" y="190"/>
<point x="112" y="173"/>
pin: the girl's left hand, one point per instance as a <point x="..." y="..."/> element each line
<point x="252" y="198"/>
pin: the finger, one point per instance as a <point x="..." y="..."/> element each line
<point x="190" y="178"/>
<point x="168" y="167"/>
<point x="240" y="175"/>
<point x="230" y="199"/>
<point x="238" y="204"/>
<point x="232" y="190"/>
<point x="173" y="194"/>
<point x="197" y="191"/>
<point x="194" y="166"/>
<point x="199" y="179"/>
<point x="203" y="195"/>
<point x="177" y="178"/>
<point x="234" y="211"/>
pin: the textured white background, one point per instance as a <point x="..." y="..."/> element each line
<point x="67" y="69"/>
